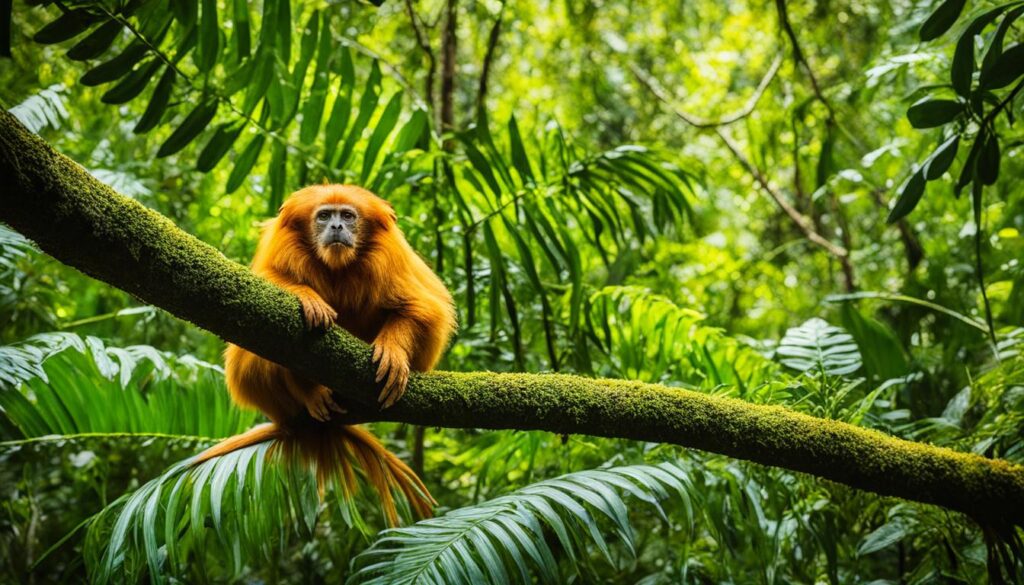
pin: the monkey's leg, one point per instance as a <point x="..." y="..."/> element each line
<point x="256" y="382"/>
<point x="316" y="398"/>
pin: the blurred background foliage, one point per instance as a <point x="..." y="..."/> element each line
<point x="716" y="196"/>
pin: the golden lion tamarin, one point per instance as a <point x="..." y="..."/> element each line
<point x="339" y="250"/>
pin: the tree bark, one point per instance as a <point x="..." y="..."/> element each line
<point x="449" y="55"/>
<point x="85" y="224"/>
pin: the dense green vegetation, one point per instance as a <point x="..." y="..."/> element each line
<point x="813" y="205"/>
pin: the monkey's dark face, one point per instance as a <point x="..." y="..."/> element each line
<point x="335" y="232"/>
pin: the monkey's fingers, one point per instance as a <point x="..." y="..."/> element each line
<point x="398" y="389"/>
<point x="382" y="367"/>
<point x="318" y="314"/>
<point x="398" y="377"/>
<point x="318" y="412"/>
<point x="378" y="352"/>
<point x="320" y="403"/>
<point x="331" y="404"/>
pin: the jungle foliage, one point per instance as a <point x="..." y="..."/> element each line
<point x="760" y="200"/>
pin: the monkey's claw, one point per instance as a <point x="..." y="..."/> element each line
<point x="321" y="403"/>
<point x="318" y="314"/>
<point x="393" y="370"/>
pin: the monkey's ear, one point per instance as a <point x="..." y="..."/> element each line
<point x="387" y="216"/>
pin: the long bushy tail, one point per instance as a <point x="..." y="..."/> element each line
<point x="337" y="452"/>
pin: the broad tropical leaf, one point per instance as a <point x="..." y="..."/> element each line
<point x="505" y="540"/>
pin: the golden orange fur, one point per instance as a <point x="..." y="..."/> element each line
<point x="379" y="290"/>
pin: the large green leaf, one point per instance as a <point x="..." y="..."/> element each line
<point x="929" y="113"/>
<point x="908" y="198"/>
<point x="941" y="19"/>
<point x="68" y="25"/>
<point x="190" y="127"/>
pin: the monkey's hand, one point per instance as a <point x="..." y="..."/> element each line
<point x="393" y="369"/>
<point x="318" y="314"/>
<point x="320" y="404"/>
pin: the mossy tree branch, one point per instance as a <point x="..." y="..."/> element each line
<point x="85" y="224"/>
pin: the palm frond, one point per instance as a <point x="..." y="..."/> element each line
<point x="248" y="90"/>
<point x="240" y="507"/>
<point x="554" y="208"/>
<point x="505" y="540"/>
<point x="63" y="384"/>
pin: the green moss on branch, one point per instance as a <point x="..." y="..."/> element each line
<point x="87" y="225"/>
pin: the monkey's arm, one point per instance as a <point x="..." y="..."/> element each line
<point x="317" y="312"/>
<point x="412" y="338"/>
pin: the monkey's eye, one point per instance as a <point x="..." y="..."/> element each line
<point x="347" y="215"/>
<point x="323" y="216"/>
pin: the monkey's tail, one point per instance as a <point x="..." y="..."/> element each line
<point x="337" y="452"/>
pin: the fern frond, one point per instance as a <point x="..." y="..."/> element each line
<point x="43" y="109"/>
<point x="817" y="345"/>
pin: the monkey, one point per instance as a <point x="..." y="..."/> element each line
<point x="338" y="249"/>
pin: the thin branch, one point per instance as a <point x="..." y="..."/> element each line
<point x="485" y="73"/>
<point x="798" y="55"/>
<point x="85" y="224"/>
<point x="101" y="435"/>
<point x="800" y="220"/>
<point x="424" y="42"/>
<point x="831" y="123"/>
<point x="911" y="245"/>
<point x="740" y="114"/>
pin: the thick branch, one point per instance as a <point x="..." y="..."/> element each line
<point x="87" y="225"/>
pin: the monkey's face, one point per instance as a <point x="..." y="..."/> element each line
<point x="337" y="222"/>
<point x="335" y="233"/>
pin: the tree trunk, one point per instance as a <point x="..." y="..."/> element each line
<point x="449" y="52"/>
